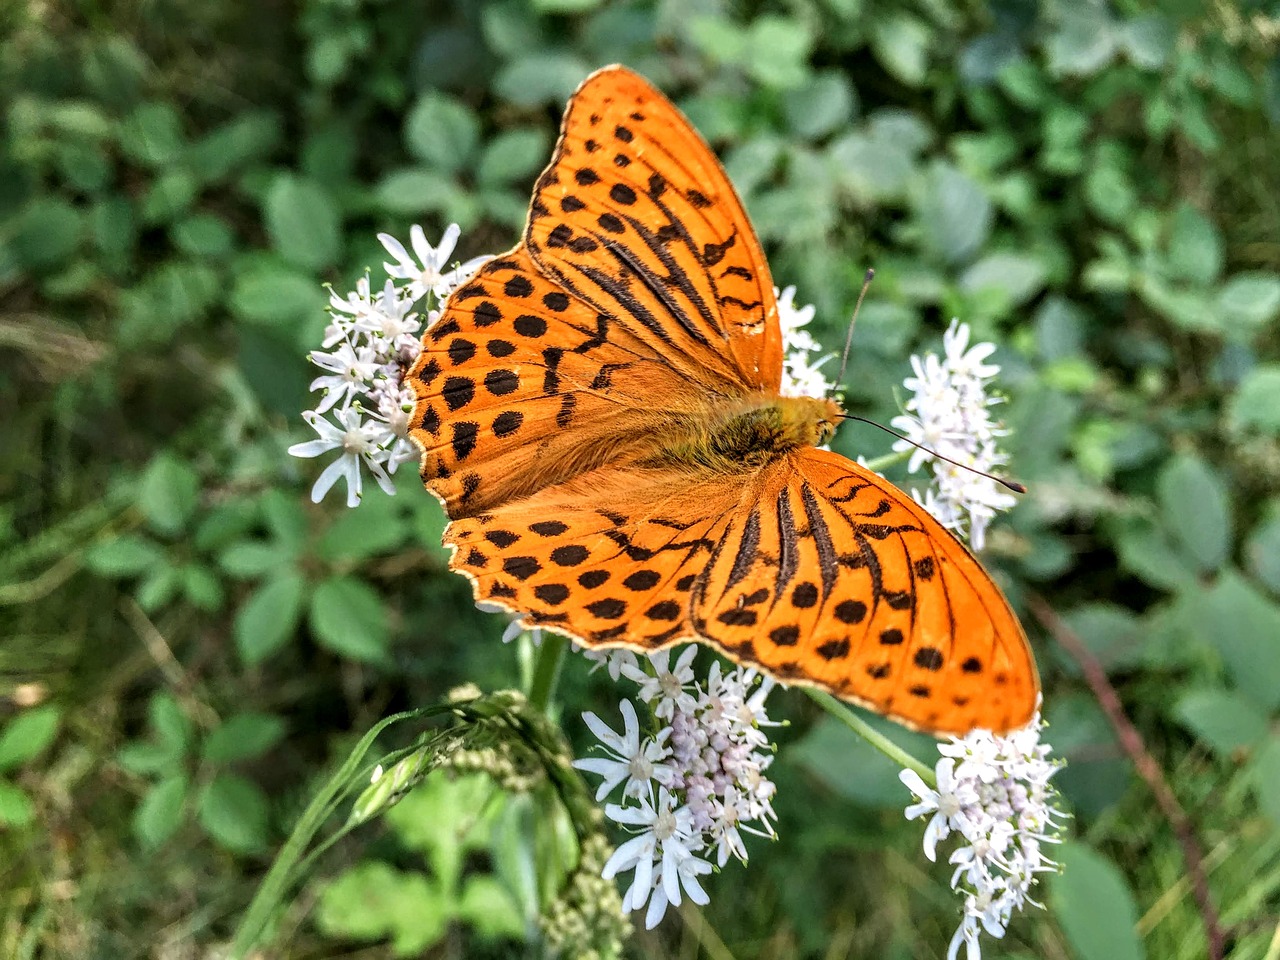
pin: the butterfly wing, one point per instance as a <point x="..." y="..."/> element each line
<point x="609" y="558"/>
<point x="636" y="216"/>
<point x="520" y="386"/>
<point x="829" y="576"/>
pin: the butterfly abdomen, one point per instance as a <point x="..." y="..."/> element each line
<point x="750" y="433"/>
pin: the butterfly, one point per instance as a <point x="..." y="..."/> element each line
<point x="599" y="413"/>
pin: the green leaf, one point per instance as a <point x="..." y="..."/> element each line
<point x="243" y="737"/>
<point x="1196" y="511"/>
<point x="1249" y="301"/>
<point x="442" y="133"/>
<point x="286" y="519"/>
<point x="1094" y="905"/>
<point x="48" y="233"/>
<point x="777" y="51"/>
<point x="1018" y="277"/>
<point x="536" y="79"/>
<point x="170" y="296"/>
<point x="28" y="735"/>
<point x="1243" y="625"/>
<point x="359" y="534"/>
<point x="953" y="213"/>
<point x="374" y="900"/>
<point x="126" y="555"/>
<point x="1263" y="553"/>
<point x="1195" y="246"/>
<point x="277" y="295"/>
<point x="487" y="907"/>
<point x="204" y="235"/>
<point x="201" y="587"/>
<point x="1148" y="40"/>
<point x="17" y="810"/>
<point x="823" y="105"/>
<point x="302" y="221"/>
<point x="1084" y="42"/>
<point x="168" y="494"/>
<point x="149" y="757"/>
<point x="901" y="43"/>
<point x="872" y="168"/>
<point x="347" y="617"/>
<point x="152" y="134"/>
<point x="160" y="813"/>
<point x="420" y="190"/>
<point x="170" y="195"/>
<point x="250" y="559"/>
<point x="269" y="617"/>
<point x="513" y="155"/>
<point x="233" y="810"/>
<point x="251" y="135"/>
<point x="1256" y="402"/>
<point x="1224" y="721"/>
<point x="170" y="723"/>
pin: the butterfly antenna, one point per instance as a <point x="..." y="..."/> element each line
<point x="1013" y="485"/>
<point x="848" y="340"/>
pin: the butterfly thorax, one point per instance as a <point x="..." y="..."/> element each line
<point x="749" y="432"/>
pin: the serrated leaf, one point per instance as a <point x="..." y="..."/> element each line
<point x="1196" y="511"/>
<point x="1256" y="402"/>
<point x="28" y="735"/>
<point x="303" y="222"/>
<point x="243" y="737"/>
<point x="168" y="494"/>
<point x="1224" y="721"/>
<point x="160" y="813"/>
<point x="233" y="810"/>
<point x="270" y="616"/>
<point x="347" y="617"/>
<point x="1094" y="905"/>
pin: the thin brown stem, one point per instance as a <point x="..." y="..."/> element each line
<point x="1131" y="742"/>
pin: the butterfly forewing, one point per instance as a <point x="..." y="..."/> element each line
<point x="636" y="215"/>
<point x="832" y="577"/>
<point x="521" y="385"/>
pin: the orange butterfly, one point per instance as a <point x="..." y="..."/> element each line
<point x="599" y="413"/>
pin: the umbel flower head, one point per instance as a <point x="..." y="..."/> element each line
<point x="692" y="785"/>
<point x="949" y="413"/>
<point x="371" y="340"/>
<point x="994" y="792"/>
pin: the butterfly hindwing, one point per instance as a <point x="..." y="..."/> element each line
<point x="636" y="216"/>
<point x="832" y="577"/>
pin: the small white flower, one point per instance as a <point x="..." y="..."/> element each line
<point x="640" y="762"/>
<point x="351" y="370"/>
<point x="428" y="273"/>
<point x="672" y="688"/>
<point x="359" y="443"/>
<point x="612" y="660"/>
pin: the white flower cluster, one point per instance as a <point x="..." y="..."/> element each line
<point x="801" y="376"/>
<point x="949" y="412"/>
<point x="371" y="340"/>
<point x="994" y="791"/>
<point x="693" y="787"/>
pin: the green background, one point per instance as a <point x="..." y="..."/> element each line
<point x="189" y="644"/>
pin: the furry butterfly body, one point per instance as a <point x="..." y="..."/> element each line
<point x="599" y="413"/>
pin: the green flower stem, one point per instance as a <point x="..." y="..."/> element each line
<point x="546" y="670"/>
<point x="876" y="739"/>
<point x="888" y="460"/>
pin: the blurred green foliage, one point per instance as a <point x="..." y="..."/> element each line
<point x="189" y="643"/>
